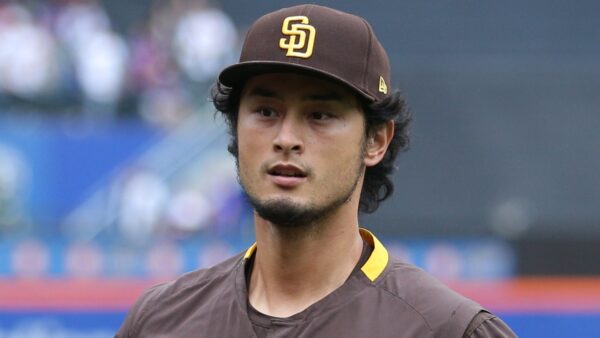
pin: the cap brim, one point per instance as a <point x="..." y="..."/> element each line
<point x="239" y="73"/>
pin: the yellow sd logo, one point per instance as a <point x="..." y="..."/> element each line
<point x="301" y="37"/>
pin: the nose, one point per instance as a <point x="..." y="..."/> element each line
<point x="289" y="139"/>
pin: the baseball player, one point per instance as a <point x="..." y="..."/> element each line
<point x="315" y="129"/>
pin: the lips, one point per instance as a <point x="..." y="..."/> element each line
<point x="286" y="170"/>
<point x="287" y="175"/>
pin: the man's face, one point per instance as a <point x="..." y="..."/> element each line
<point x="301" y="144"/>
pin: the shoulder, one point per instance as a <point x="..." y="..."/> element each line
<point x="174" y="296"/>
<point x="417" y="287"/>
<point x="195" y="281"/>
<point x="443" y="310"/>
<point x="486" y="325"/>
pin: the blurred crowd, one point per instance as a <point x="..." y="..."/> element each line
<point x="65" y="57"/>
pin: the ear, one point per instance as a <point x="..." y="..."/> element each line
<point x="378" y="143"/>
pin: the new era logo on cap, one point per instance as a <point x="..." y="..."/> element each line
<point x="317" y="40"/>
<point x="382" y="85"/>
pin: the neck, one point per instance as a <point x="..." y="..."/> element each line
<point x="295" y="267"/>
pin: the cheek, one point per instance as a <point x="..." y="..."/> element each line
<point x="249" y="132"/>
<point x="244" y="151"/>
<point x="247" y="165"/>
<point x="347" y="146"/>
<point x="250" y="146"/>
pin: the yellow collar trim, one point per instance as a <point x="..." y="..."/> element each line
<point x="373" y="267"/>
<point x="251" y="250"/>
<point x="379" y="257"/>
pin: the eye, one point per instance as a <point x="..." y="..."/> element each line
<point x="266" y="112"/>
<point x="320" y="116"/>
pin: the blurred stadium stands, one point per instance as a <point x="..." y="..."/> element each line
<point x="114" y="172"/>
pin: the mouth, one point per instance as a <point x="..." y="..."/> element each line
<point x="286" y="170"/>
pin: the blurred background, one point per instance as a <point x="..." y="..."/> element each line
<point x="114" y="173"/>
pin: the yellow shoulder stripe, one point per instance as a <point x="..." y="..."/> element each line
<point x="378" y="259"/>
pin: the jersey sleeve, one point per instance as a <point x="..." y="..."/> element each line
<point x="487" y="325"/>
<point x="130" y="326"/>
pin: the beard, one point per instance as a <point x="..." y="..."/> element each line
<point x="284" y="212"/>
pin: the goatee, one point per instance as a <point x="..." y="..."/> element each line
<point x="286" y="213"/>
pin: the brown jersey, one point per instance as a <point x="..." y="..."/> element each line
<point x="383" y="297"/>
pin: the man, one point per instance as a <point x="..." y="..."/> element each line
<point x="315" y="131"/>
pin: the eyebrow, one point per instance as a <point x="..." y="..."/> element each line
<point x="268" y="93"/>
<point x="327" y="96"/>
<point x="263" y="92"/>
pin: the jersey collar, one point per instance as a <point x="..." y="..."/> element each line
<point x="372" y="268"/>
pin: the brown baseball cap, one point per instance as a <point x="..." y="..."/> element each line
<point x="314" y="39"/>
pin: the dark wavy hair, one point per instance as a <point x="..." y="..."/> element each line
<point x="377" y="184"/>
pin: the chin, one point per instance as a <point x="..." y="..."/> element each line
<point x="285" y="212"/>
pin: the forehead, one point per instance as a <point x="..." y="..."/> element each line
<point x="294" y="84"/>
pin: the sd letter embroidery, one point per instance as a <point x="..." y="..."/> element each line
<point x="300" y="37"/>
